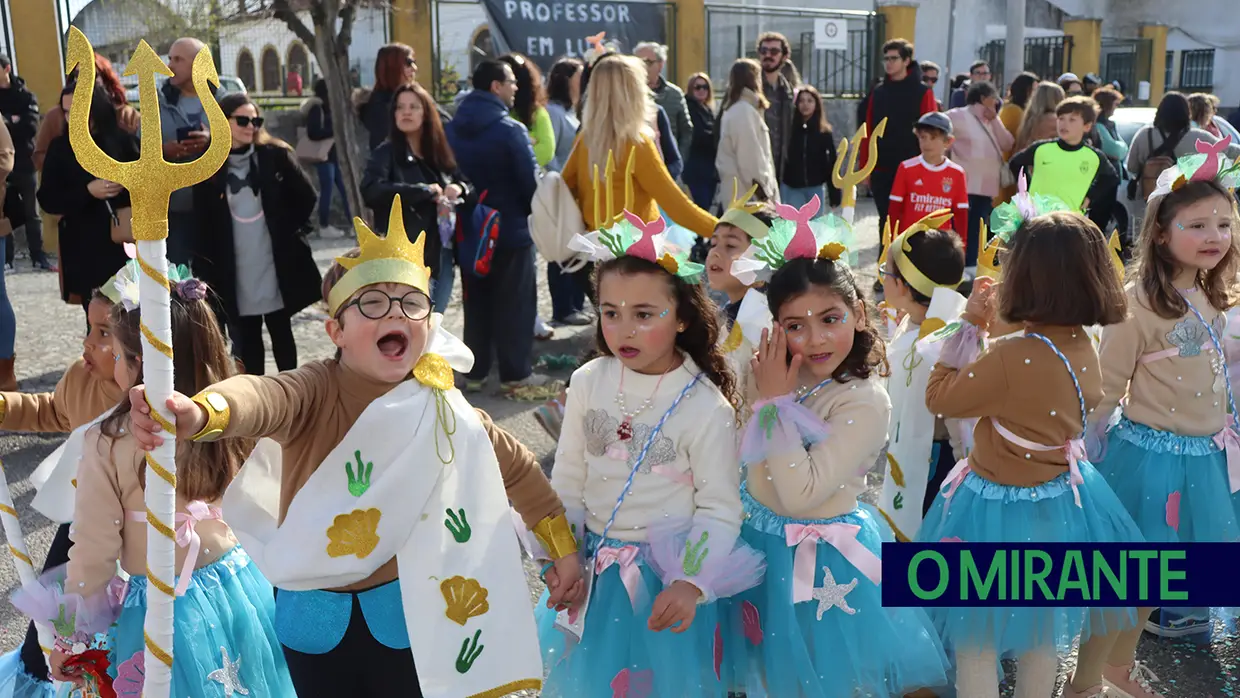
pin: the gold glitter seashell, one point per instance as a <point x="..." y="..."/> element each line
<point x="897" y="475"/>
<point x="831" y="251"/>
<point x="466" y="598"/>
<point x="669" y="263"/>
<point x="433" y="370"/>
<point x="354" y="533"/>
<point x="733" y="341"/>
<point x="1179" y="182"/>
<point x="931" y="324"/>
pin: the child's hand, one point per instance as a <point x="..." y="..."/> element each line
<point x="775" y="375"/>
<point x="675" y="604"/>
<point x="186" y="414"/>
<point x="56" y="666"/>
<point x="565" y="587"/>
<point x="980" y="306"/>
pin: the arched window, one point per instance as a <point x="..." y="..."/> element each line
<point x="271" y="71"/>
<point x="481" y="48"/>
<point x="298" y="60"/>
<point x="245" y="69"/>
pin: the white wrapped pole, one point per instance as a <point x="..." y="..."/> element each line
<point x="150" y="181"/>
<point x="21" y="556"/>
<point x="846" y="177"/>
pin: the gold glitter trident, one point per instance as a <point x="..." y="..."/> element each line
<point x="150" y="181"/>
<point x="845" y="174"/>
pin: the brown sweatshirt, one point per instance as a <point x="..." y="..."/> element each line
<point x="309" y="410"/>
<point x="79" y="397"/>
<point x="1021" y="383"/>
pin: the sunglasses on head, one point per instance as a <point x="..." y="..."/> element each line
<point x="244" y="121"/>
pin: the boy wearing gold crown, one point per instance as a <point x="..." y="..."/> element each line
<point x="384" y="521"/>
<point x="920" y="271"/>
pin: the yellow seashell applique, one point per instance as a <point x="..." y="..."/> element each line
<point x="466" y="598"/>
<point x="832" y="251"/>
<point x="733" y="341"/>
<point x="355" y="533"/>
<point x="931" y="324"/>
<point x="897" y="475"/>
<point x="669" y="263"/>
<point x="432" y="370"/>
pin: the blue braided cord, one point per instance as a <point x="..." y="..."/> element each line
<point x="1067" y="364"/>
<point x="654" y="433"/>
<point x="1218" y="347"/>
<point x="801" y="400"/>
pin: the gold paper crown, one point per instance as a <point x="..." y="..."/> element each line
<point x="1115" y="248"/>
<point x="384" y="259"/>
<point x="740" y="213"/>
<point x="986" y="265"/>
<point x="888" y="236"/>
<point x="909" y="271"/>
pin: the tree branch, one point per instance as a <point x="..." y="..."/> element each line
<point x="345" y="38"/>
<point x="280" y="10"/>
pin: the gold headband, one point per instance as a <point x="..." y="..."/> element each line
<point x="388" y="259"/>
<point x="740" y="213"/>
<point x="909" y="271"/>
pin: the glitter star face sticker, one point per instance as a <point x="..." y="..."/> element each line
<point x="229" y="676"/>
<point x="832" y="594"/>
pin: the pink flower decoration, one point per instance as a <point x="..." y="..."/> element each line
<point x="1209" y="168"/>
<point x="718" y="650"/>
<point x="952" y="539"/>
<point x="751" y="623"/>
<point x="1024" y="203"/>
<point x="803" y="244"/>
<point x="130" y="676"/>
<point x="632" y="684"/>
<point x="644" y="248"/>
<point x="1173" y="506"/>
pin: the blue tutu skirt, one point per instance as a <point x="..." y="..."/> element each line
<point x="1175" y="487"/>
<point x="981" y="511"/>
<point x="775" y="647"/>
<point x="16" y="682"/>
<point x="618" y="655"/>
<point x="224" y="635"/>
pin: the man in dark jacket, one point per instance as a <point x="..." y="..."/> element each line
<point x="493" y="151"/>
<point x="20" y="109"/>
<point x="779" y="83"/>
<point x="901" y="98"/>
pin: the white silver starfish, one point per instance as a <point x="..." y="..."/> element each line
<point x="832" y="594"/>
<point x="229" y="676"/>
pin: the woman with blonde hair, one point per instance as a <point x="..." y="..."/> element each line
<point x="1038" y="122"/>
<point x="744" y="153"/>
<point x="618" y="120"/>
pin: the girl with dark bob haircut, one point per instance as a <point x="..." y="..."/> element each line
<point x="1059" y="272"/>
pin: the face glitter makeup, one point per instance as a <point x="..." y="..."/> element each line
<point x="845" y="316"/>
<point x="1180" y="226"/>
<point x="664" y="313"/>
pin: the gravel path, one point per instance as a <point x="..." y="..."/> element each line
<point x="49" y="339"/>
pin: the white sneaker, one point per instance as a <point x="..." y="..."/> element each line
<point x="331" y="232"/>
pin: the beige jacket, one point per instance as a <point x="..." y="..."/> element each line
<point x="744" y="152"/>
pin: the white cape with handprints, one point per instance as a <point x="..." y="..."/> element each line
<point x="466" y="603"/>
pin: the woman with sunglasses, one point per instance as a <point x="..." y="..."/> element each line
<point x="699" y="173"/>
<point x="253" y="216"/>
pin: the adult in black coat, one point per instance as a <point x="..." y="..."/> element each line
<point x="86" y="204"/>
<point x="253" y="216"/>
<point x="417" y="163"/>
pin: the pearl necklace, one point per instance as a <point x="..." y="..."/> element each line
<point x="619" y="450"/>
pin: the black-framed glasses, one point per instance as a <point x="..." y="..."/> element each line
<point x="893" y="58"/>
<point x="244" y="121"/>
<point x="375" y="304"/>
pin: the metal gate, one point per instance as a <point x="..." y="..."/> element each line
<point x="1047" y="56"/>
<point x="1129" y="61"/>
<point x="732" y="32"/>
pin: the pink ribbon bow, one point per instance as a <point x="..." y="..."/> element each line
<point x="842" y="537"/>
<point x="1213" y="151"/>
<point x="644" y="248"/>
<point x="626" y="557"/>
<point x="1228" y="440"/>
<point x="803" y="245"/>
<point x="187" y="537"/>
<point x="954" y="477"/>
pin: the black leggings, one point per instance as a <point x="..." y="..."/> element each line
<point x="32" y="655"/>
<point x="247" y="339"/>
<point x="360" y="666"/>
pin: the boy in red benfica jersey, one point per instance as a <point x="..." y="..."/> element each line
<point x="931" y="181"/>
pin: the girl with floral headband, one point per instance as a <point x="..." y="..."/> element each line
<point x="816" y="626"/>
<point x="225" y="608"/>
<point x="646" y="466"/>
<point x="1173" y="454"/>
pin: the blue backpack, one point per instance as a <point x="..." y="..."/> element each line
<point x="476" y="237"/>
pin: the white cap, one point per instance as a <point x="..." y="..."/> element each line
<point x="1068" y="77"/>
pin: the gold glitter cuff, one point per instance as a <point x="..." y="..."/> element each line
<point x="556" y="536"/>
<point x="4" y="408"/>
<point x="218" y="414"/>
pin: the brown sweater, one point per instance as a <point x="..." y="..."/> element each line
<point x="1021" y="383"/>
<point x="309" y="410"/>
<point x="80" y="396"/>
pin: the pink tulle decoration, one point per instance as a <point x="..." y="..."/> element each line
<point x="728" y="566"/>
<point x="1213" y="151"/>
<point x="644" y="248"/>
<point x="962" y="348"/>
<point x="718" y="651"/>
<point x="780" y="426"/>
<point x="71" y="615"/>
<point x="1024" y="202"/>
<point x="1173" y="506"/>
<point x="632" y="684"/>
<point x="751" y="623"/>
<point x="803" y="244"/>
<point x="951" y="539"/>
<point x="130" y="676"/>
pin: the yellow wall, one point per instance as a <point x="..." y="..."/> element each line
<point x="1086" y="46"/>
<point x="412" y="24"/>
<point x="690" y="43"/>
<point x="37" y="52"/>
<point x="1158" y="60"/>
<point x="901" y="22"/>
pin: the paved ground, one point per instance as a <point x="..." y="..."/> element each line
<point x="49" y="338"/>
